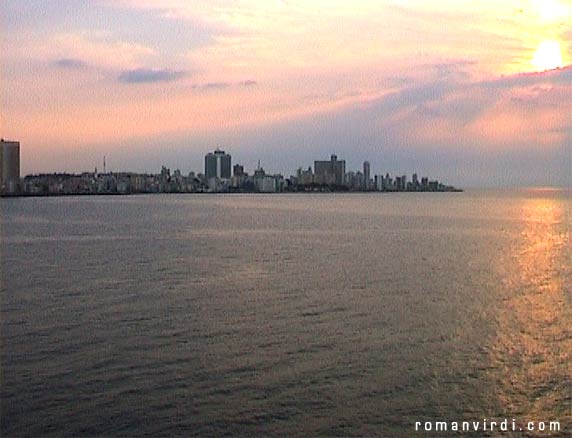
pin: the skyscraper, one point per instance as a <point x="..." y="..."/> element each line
<point x="217" y="165"/>
<point x="366" y="175"/>
<point x="9" y="165"/>
<point x="330" y="172"/>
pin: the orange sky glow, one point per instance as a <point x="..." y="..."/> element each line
<point x="82" y="79"/>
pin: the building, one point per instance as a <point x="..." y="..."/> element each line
<point x="238" y="170"/>
<point x="366" y="175"/>
<point x="305" y="177"/>
<point x="9" y="166"/>
<point x="379" y="183"/>
<point x="266" y="184"/>
<point x="217" y="165"/>
<point x="259" y="172"/>
<point x="239" y="177"/>
<point x="387" y="182"/>
<point x="401" y="183"/>
<point x="330" y="172"/>
<point x="358" y="182"/>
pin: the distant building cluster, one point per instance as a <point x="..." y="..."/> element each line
<point x="332" y="176"/>
<point x="219" y="176"/>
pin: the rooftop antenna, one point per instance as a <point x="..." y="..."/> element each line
<point x="258" y="164"/>
<point x="104" y="165"/>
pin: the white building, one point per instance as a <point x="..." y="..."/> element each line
<point x="266" y="184"/>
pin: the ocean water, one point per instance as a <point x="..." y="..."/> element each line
<point x="284" y="315"/>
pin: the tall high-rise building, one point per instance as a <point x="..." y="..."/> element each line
<point x="366" y="175"/>
<point x="9" y="165"/>
<point x="217" y="165"/>
<point x="330" y="172"/>
<point x="401" y="182"/>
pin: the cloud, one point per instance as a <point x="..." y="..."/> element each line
<point x="69" y="63"/>
<point x="511" y="110"/>
<point x="216" y="85"/>
<point x="143" y="75"/>
<point x="72" y="50"/>
<point x="562" y="76"/>
<point x="223" y="85"/>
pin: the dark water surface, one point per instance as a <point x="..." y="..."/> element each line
<point x="284" y="315"/>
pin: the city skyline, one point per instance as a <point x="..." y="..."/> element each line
<point x="219" y="176"/>
<point x="476" y="94"/>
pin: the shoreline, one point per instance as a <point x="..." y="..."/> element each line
<point x="309" y="192"/>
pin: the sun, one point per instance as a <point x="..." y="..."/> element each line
<point x="548" y="56"/>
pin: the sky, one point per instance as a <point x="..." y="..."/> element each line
<point x="475" y="93"/>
